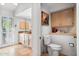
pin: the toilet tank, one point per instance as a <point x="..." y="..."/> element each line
<point x="47" y="39"/>
<point x="64" y="41"/>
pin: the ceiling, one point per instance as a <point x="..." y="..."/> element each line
<point x="53" y="7"/>
<point x="20" y="10"/>
<point x="22" y="7"/>
<point x="8" y="7"/>
<point x="24" y="10"/>
<point x="26" y="13"/>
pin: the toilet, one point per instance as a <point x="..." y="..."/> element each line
<point x="53" y="49"/>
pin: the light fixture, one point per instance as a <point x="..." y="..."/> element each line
<point x="8" y="3"/>
<point x="15" y="4"/>
<point x="2" y="3"/>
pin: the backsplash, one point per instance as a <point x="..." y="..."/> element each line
<point x="70" y="30"/>
<point x="65" y="29"/>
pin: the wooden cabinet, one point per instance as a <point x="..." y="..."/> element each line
<point x="55" y="19"/>
<point x="23" y="25"/>
<point x="63" y="18"/>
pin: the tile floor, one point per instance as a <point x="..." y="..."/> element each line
<point x="16" y="50"/>
<point x="19" y="50"/>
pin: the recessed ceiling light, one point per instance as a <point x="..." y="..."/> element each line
<point x="2" y="3"/>
<point x="15" y="4"/>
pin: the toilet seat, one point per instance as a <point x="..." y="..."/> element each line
<point x="55" y="46"/>
<point x="53" y="49"/>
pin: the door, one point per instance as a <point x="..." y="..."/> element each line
<point x="36" y="29"/>
<point x="7" y="30"/>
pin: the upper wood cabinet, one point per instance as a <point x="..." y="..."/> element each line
<point x="63" y="18"/>
<point x="56" y="19"/>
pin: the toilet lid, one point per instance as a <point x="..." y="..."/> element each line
<point x="54" y="45"/>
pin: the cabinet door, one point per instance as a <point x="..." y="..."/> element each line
<point x="55" y="20"/>
<point x="67" y="17"/>
<point x="63" y="18"/>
